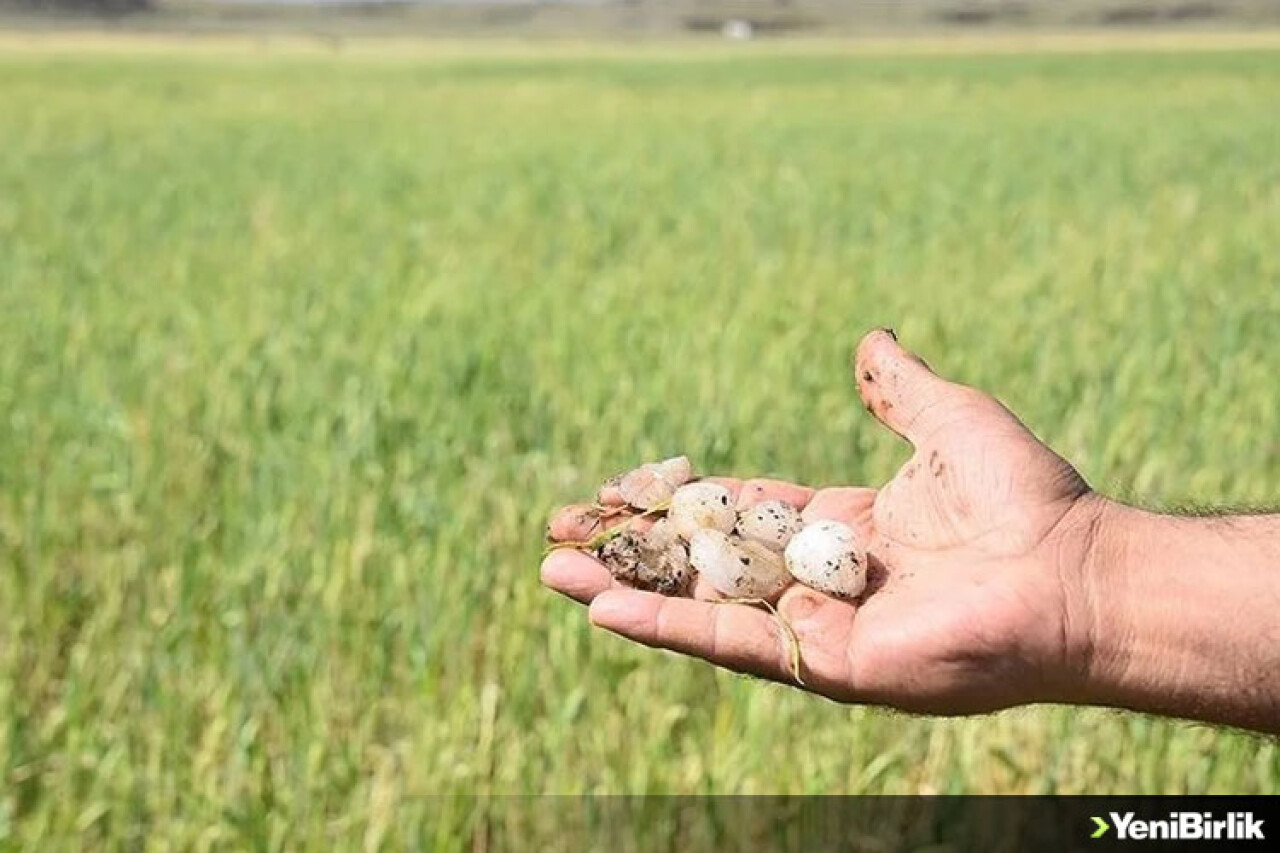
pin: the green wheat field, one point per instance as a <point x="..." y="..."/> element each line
<point x="300" y="346"/>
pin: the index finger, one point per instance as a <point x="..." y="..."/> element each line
<point x="741" y="638"/>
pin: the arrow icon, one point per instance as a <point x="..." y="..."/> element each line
<point x="1102" y="827"/>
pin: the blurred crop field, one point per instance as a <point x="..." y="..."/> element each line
<point x="298" y="349"/>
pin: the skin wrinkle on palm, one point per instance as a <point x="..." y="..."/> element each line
<point x="989" y="563"/>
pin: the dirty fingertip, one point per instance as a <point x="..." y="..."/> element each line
<point x="574" y="523"/>
<point x="574" y="574"/>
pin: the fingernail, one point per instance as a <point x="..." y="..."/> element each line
<point x="573" y="523"/>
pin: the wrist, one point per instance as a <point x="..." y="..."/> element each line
<point x="1137" y="575"/>
<point x="1099" y="608"/>
<point x="1169" y="615"/>
<point x="1090" y="540"/>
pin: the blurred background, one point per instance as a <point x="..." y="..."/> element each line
<point x="735" y="19"/>
<point x="310" y="314"/>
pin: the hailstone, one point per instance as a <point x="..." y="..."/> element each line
<point x="698" y="506"/>
<point x="653" y="484"/>
<point x="658" y="563"/>
<point x="735" y="567"/>
<point x="771" y="523"/>
<point x="827" y="556"/>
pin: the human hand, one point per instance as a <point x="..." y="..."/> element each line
<point x="978" y="548"/>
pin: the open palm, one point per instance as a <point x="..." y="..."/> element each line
<point x="976" y="544"/>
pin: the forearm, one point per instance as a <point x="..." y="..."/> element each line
<point x="1182" y="616"/>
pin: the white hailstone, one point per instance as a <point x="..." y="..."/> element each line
<point x="677" y="470"/>
<point x="662" y="536"/>
<point x="828" y="557"/>
<point x="698" y="506"/>
<point x="654" y="483"/>
<point x="737" y="568"/>
<point x="645" y="487"/>
<point x="771" y="523"/>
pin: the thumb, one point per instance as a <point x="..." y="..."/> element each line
<point x="903" y="393"/>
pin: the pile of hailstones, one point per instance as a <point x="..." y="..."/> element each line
<point x="752" y="554"/>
